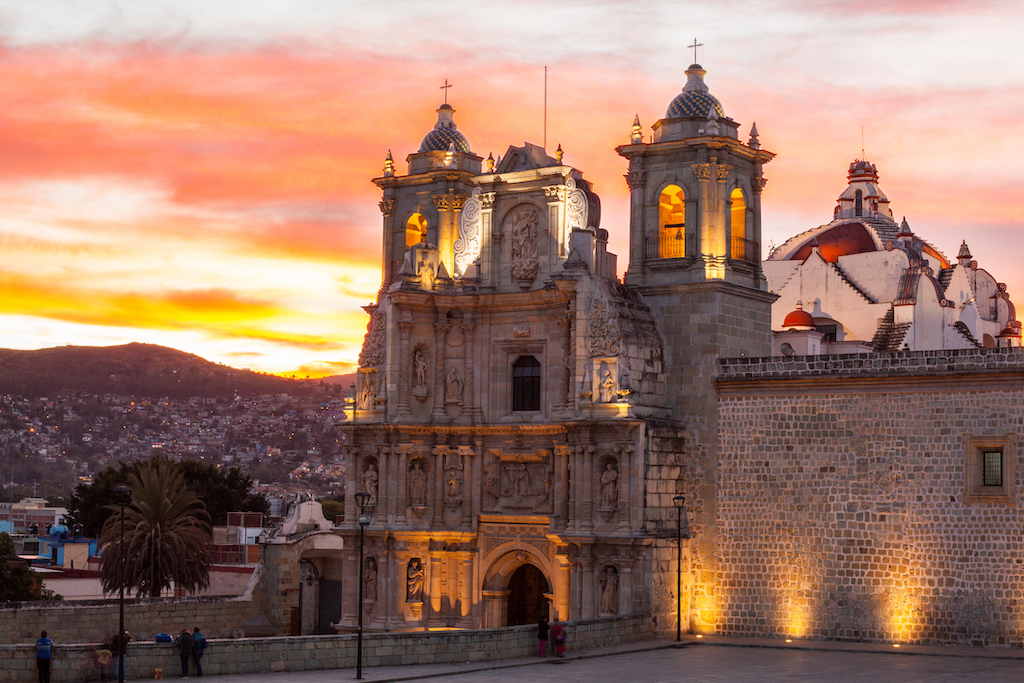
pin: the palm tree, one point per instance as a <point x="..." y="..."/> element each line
<point x="166" y="532"/>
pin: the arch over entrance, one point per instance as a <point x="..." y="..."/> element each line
<point x="526" y="601"/>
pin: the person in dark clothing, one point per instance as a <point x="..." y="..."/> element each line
<point x="542" y="635"/>
<point x="185" y="650"/>
<point x="198" y="647"/>
<point x="44" y="652"/>
<point x="119" y="653"/>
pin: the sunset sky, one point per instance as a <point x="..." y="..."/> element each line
<point x="197" y="174"/>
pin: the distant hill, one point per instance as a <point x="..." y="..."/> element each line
<point x="139" y="370"/>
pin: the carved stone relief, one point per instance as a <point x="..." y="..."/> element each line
<point x="603" y="340"/>
<point x="367" y="399"/>
<point x="609" y="590"/>
<point x="467" y="245"/>
<point x="417" y="484"/>
<point x="370" y="480"/>
<point x="420" y="373"/>
<point x="372" y="352"/>
<point x="575" y="209"/>
<point x="453" y="386"/>
<point x="523" y="250"/>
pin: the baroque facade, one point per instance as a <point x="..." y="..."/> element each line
<point x="516" y="419"/>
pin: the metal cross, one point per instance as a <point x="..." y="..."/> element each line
<point x="448" y="85"/>
<point x="694" y="46"/>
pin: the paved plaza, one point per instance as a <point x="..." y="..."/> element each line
<point x="732" y="661"/>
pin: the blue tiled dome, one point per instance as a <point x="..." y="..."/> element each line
<point x="439" y="139"/>
<point x="694" y="103"/>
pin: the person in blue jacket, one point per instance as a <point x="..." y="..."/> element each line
<point x="44" y="652"/>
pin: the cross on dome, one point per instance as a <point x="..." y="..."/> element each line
<point x="445" y="88"/>
<point x="695" y="46"/>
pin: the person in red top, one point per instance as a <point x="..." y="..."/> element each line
<point x="558" y="635"/>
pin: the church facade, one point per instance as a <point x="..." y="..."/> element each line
<point x="532" y="432"/>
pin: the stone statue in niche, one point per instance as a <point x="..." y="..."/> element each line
<point x="609" y="487"/>
<point x="370" y="580"/>
<point x="414" y="581"/>
<point x="417" y="484"/>
<point x="607" y="385"/>
<point x="419" y="364"/>
<point x="524" y="244"/>
<point x="368" y="396"/>
<point x="453" y="387"/>
<point x="370" y="479"/>
<point x="454" y="482"/>
<point x="609" y="591"/>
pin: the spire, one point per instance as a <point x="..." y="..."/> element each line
<point x="490" y="163"/>
<point x="389" y="166"/>
<point x="905" y="230"/>
<point x="754" y="142"/>
<point x="636" y="136"/>
<point x="559" y="153"/>
<point x="964" y="257"/>
<point x="711" y="127"/>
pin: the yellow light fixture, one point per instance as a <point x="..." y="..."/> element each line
<point x="789" y="640"/>
<point x="896" y="645"/>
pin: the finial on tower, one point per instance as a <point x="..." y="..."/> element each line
<point x="389" y="166"/>
<point x="754" y="142"/>
<point x="445" y="88"/>
<point x="636" y="136"/>
<point x="490" y="163"/>
<point x="559" y="154"/>
<point x="449" y="156"/>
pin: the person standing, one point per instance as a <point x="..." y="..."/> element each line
<point x="185" y="650"/>
<point x="542" y="635"/>
<point x="559" y="636"/>
<point x="119" y="652"/>
<point x="198" y="647"/>
<point x="44" y="652"/>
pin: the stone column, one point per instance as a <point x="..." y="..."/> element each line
<point x="486" y="248"/>
<point x="470" y="403"/>
<point x="467" y="590"/>
<point x="385" y="485"/>
<point x="626" y="588"/>
<point x="440" y="332"/>
<point x="439" y="455"/>
<point x="625" y="455"/>
<point x="469" y="477"/>
<point x="587" y="475"/>
<point x="589" y="587"/>
<point x="561" y="494"/>
<point x="637" y="180"/>
<point x="387" y="207"/>
<point x="401" y="479"/>
<point x="435" y="587"/>
<point x="404" y="369"/>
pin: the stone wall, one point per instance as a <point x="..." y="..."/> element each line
<point x="844" y="505"/>
<point x="89" y="621"/>
<point x="296" y="653"/>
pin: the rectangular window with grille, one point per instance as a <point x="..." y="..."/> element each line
<point x="992" y="462"/>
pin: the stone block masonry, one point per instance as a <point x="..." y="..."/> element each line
<point x="301" y="653"/>
<point x="842" y="502"/>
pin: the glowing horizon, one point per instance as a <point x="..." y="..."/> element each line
<point x="199" y="176"/>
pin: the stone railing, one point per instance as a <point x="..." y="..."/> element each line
<point x="299" y="653"/>
<point x="966" y="361"/>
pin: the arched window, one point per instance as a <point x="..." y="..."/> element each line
<point x="858" y="204"/>
<point x="526" y="384"/>
<point x="415" y="230"/>
<point x="739" y="213"/>
<point x="672" y="223"/>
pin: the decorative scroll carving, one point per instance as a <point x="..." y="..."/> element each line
<point x="702" y="171"/>
<point x="603" y="341"/>
<point x="722" y="172"/>
<point x="467" y="245"/>
<point x="758" y="183"/>
<point x="387" y="206"/>
<point x="524" y="243"/>
<point x="372" y="352"/>
<point x="487" y="199"/>
<point x="575" y="209"/>
<point x="442" y="202"/>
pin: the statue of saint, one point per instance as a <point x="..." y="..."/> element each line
<point x="607" y="387"/>
<point x="609" y="591"/>
<point x="369" y="393"/>
<point x="417" y="484"/>
<point x="453" y="387"/>
<point x="370" y="479"/>
<point x="370" y="580"/>
<point x="454" y="484"/>
<point x="414" y="581"/>
<point x="609" y="487"/>
<point x="419" y="363"/>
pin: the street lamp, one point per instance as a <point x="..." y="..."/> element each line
<point x="362" y="499"/>
<point x="123" y="496"/>
<point x="681" y="521"/>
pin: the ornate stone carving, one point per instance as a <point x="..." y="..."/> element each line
<point x="610" y="486"/>
<point x="487" y="199"/>
<point x="702" y="171"/>
<point x="722" y="172"/>
<point x="442" y="202"/>
<point x="606" y="385"/>
<point x="368" y="391"/>
<point x="417" y="484"/>
<point x="521" y="330"/>
<point x="603" y="340"/>
<point x="758" y="183"/>
<point x="458" y="200"/>
<point x="414" y="580"/>
<point x="636" y="179"/>
<point x="609" y="590"/>
<point x="575" y="208"/>
<point x="524" y="243"/>
<point x="372" y="352"/>
<point x="467" y="245"/>
<point x="453" y="490"/>
<point x="554" y="193"/>
<point x="370" y="480"/>
<point x="387" y="206"/>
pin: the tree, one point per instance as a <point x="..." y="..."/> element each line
<point x="223" y="491"/>
<point x="166" y="533"/>
<point x="17" y="581"/>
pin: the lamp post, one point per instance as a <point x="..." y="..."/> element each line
<point x="123" y="494"/>
<point x="362" y="498"/>
<point x="679" y="503"/>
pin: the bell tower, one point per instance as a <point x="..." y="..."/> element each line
<point x="695" y="257"/>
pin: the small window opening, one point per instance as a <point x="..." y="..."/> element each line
<point x="526" y="384"/>
<point x="992" y="463"/>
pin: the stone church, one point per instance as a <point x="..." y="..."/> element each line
<point x="533" y="432"/>
<point x="517" y="415"/>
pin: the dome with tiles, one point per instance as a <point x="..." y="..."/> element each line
<point x="695" y="100"/>
<point x="445" y="133"/>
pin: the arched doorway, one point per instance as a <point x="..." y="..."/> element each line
<point x="526" y="601"/>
